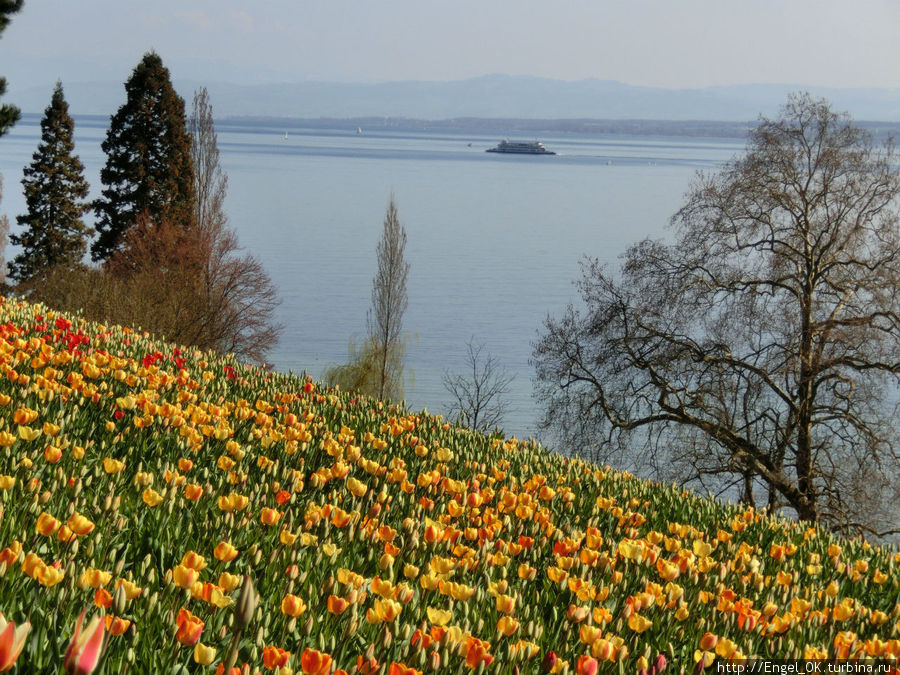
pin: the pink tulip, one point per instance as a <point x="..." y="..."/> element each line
<point x="12" y="640"/>
<point x="83" y="653"/>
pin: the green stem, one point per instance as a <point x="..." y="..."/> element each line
<point x="233" y="651"/>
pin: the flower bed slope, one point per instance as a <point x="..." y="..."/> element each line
<point x="148" y="484"/>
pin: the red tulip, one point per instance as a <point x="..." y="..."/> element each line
<point x="549" y="661"/>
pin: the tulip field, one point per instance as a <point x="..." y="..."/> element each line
<point x="169" y="511"/>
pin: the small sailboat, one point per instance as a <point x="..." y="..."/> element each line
<point x="285" y="135"/>
<point x="359" y="131"/>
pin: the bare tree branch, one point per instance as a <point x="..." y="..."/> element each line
<point x="759" y="347"/>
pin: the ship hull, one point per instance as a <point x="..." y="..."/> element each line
<point x="521" y="152"/>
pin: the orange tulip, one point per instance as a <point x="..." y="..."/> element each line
<point x="366" y="666"/>
<point x="194" y="560"/>
<point x="402" y="669"/>
<point x="47" y="524"/>
<point x="314" y="662"/>
<point x="116" y="625"/>
<point x="708" y="641"/>
<point x="477" y="652"/>
<point x="225" y="552"/>
<point x="190" y="628"/>
<point x="80" y="525"/>
<point x="337" y="605"/>
<point x="192" y="492"/>
<point x="103" y="598"/>
<point x="586" y="665"/>
<point x="275" y="657"/>
<point x="269" y="516"/>
<point x="293" y="606"/>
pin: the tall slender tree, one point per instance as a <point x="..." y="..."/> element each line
<point x="389" y="303"/>
<point x="55" y="191"/>
<point x="148" y="170"/>
<point x="9" y="114"/>
<point x="4" y="234"/>
<point x="375" y="368"/>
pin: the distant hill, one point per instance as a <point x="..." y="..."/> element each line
<point x="490" y="96"/>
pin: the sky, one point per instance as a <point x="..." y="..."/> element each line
<point x="661" y="43"/>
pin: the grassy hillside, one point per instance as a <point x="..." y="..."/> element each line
<point x="145" y="482"/>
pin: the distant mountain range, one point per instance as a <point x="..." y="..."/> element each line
<point x="491" y="96"/>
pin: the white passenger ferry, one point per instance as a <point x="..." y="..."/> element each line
<point x="521" y="148"/>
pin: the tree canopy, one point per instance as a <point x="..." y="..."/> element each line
<point x="9" y="114"/>
<point x="758" y="352"/>
<point x="148" y="169"/>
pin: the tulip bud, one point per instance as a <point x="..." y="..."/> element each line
<point x="246" y="604"/>
<point x="659" y="665"/>
<point x="119" y="600"/>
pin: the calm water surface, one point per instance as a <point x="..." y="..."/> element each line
<point x="494" y="241"/>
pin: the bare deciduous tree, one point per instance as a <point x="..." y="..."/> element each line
<point x="478" y="394"/>
<point x="4" y="237"/>
<point x="237" y="295"/>
<point x="389" y="303"/>
<point x="762" y="347"/>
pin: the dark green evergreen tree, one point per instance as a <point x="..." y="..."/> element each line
<point x="55" y="189"/>
<point x="9" y="114"/>
<point x="148" y="170"/>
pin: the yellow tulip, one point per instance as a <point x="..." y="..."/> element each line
<point x="151" y="497"/>
<point x="48" y="575"/>
<point x="184" y="576"/>
<point x="230" y="581"/>
<point x="28" y="434"/>
<point x="112" y="466"/>
<point x="638" y="623"/>
<point x="507" y="625"/>
<point x="131" y="591"/>
<point x="94" y="578"/>
<point x="204" y="655"/>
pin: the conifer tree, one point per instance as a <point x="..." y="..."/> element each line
<point x="9" y="114"/>
<point x="148" y="170"/>
<point x="55" y="189"/>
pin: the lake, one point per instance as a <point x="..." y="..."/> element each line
<point x="494" y="241"/>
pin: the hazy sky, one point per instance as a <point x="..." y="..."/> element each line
<point x="669" y="43"/>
